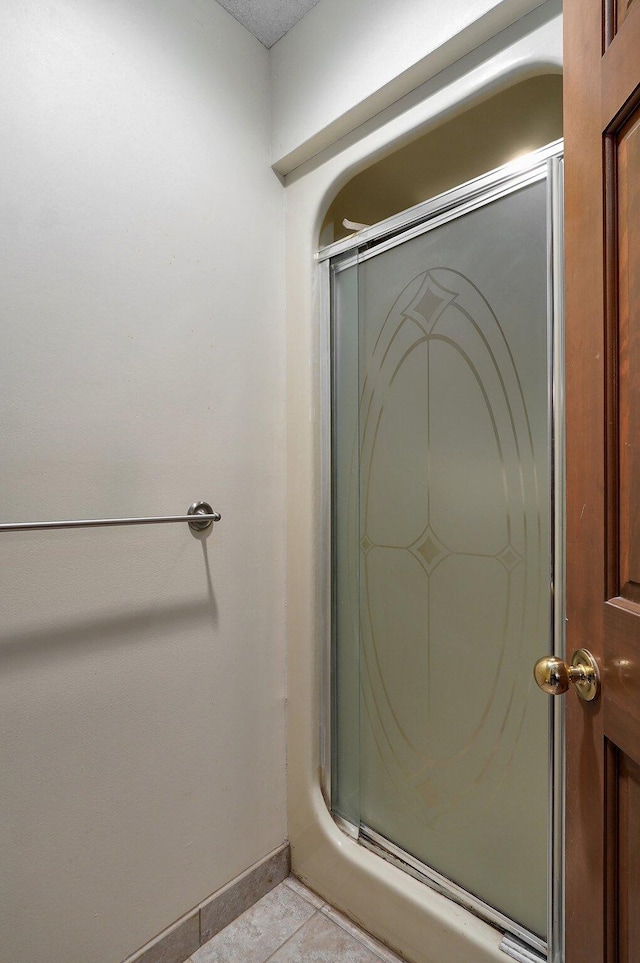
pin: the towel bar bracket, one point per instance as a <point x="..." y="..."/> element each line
<point x="202" y="508"/>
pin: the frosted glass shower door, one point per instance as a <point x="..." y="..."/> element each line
<point x="441" y="548"/>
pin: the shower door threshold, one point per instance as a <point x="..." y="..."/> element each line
<point x="518" y="943"/>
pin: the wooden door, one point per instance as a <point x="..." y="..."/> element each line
<point x="602" y="180"/>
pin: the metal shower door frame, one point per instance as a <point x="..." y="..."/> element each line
<point x="545" y="164"/>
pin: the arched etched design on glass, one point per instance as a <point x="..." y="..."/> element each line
<point x="451" y="497"/>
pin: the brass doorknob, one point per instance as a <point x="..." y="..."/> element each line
<point x="553" y="675"/>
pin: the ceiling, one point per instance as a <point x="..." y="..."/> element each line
<point x="268" y="20"/>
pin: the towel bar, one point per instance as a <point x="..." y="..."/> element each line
<point x="200" y="517"/>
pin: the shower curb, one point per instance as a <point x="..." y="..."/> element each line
<point x="178" y="941"/>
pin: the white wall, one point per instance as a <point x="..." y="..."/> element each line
<point x="346" y="60"/>
<point x="142" y="678"/>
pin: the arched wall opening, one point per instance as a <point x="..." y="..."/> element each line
<point x="519" y="119"/>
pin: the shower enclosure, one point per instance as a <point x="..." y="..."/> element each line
<point x="446" y="530"/>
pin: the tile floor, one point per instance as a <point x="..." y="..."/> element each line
<point x="292" y="925"/>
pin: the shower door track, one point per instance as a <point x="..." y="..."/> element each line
<point x="545" y="163"/>
<point x="442" y="884"/>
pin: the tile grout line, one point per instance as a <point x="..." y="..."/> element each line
<point x="355" y="936"/>
<point x="338" y="922"/>
<point x="293" y="889"/>
<point x="290" y="937"/>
